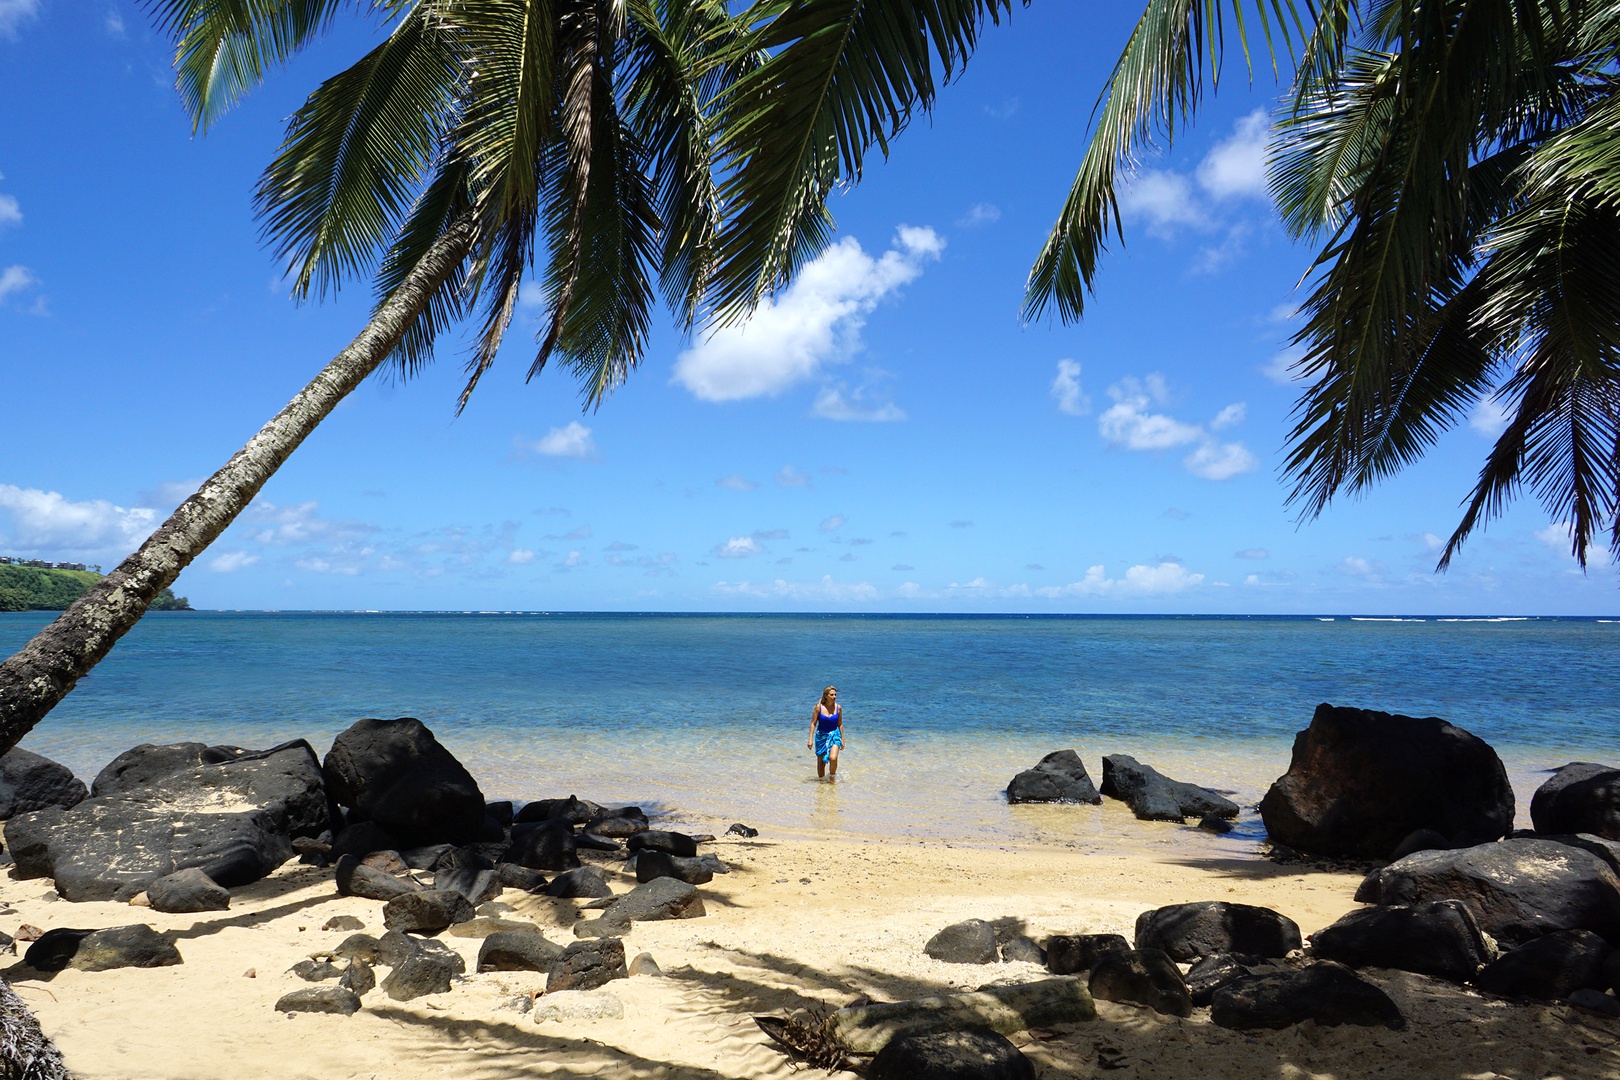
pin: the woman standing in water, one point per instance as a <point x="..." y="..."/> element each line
<point x="826" y="732"/>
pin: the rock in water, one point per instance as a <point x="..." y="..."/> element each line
<point x="395" y="773"/>
<point x="188" y="890"/>
<point x="1439" y="939"/>
<point x="585" y="965"/>
<point x="1146" y="977"/>
<point x="1058" y="777"/>
<point x="320" y="999"/>
<point x="970" y="942"/>
<point x="1077" y="954"/>
<point x="1153" y="796"/>
<point x="1550" y="968"/>
<point x="547" y="845"/>
<point x="1191" y="931"/>
<point x="1327" y="993"/>
<point x="29" y="782"/>
<point x="1579" y="798"/>
<point x="973" y="1054"/>
<point x="426" y="912"/>
<point x="1517" y="889"/>
<point x="1361" y="781"/>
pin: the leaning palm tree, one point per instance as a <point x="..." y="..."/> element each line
<point x="472" y="140"/>
<point x="1455" y="159"/>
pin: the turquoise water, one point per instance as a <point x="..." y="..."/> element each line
<point x="704" y="716"/>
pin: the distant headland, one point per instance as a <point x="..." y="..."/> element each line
<point x="35" y="585"/>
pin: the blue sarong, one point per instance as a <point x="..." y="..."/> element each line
<point x="826" y="740"/>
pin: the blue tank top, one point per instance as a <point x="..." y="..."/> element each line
<point x="829" y="723"/>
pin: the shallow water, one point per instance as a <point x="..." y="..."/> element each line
<point x="703" y="717"/>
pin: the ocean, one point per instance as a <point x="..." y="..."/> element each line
<point x="702" y="718"/>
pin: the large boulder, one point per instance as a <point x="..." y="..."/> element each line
<point x="544" y="845"/>
<point x="1439" y="939"/>
<point x="1146" y="977"/>
<point x="285" y="780"/>
<point x="673" y="843"/>
<point x="1152" y="796"/>
<point x="1193" y="931"/>
<point x="1327" y="992"/>
<point x="29" y="782"/>
<point x="970" y="942"/>
<point x="1360" y="782"/>
<point x="972" y="1054"/>
<point x="1058" y="777"/>
<point x="395" y="773"/>
<point x="187" y="891"/>
<point x="101" y="950"/>
<point x="1579" y="798"/>
<point x="1516" y="889"/>
<point x="1550" y="968"/>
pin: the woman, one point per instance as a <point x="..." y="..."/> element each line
<point x="826" y="732"/>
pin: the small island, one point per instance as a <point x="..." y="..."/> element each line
<point x="31" y="585"/>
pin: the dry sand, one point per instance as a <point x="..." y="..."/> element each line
<point x="800" y="924"/>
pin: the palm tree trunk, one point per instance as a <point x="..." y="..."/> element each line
<point x="46" y="669"/>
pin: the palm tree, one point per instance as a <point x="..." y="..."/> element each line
<point x="470" y="136"/>
<point x="1455" y="160"/>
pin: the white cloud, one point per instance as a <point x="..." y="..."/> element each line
<point x="1220" y="461"/>
<point x="571" y="560"/>
<point x="1163" y="199"/>
<point x="841" y="403"/>
<point x="1066" y="389"/>
<point x="1252" y="553"/>
<point x="832" y="523"/>
<point x="980" y="214"/>
<point x="738" y="547"/>
<point x="573" y="441"/>
<point x="1139" y="580"/>
<point x="1230" y="416"/>
<point x="45" y="523"/>
<point x="520" y="557"/>
<point x="1489" y="417"/>
<point x="318" y="565"/>
<point x="299" y="523"/>
<point x="10" y="210"/>
<point x="13" y="13"/>
<point x="1370" y="570"/>
<point x="18" y="277"/>
<point x="816" y="321"/>
<point x="228" y="562"/>
<point x="825" y="589"/>
<point x="1237" y="166"/>
<point x="736" y="482"/>
<point x="1560" y="537"/>
<point x="114" y="24"/>
<point x="789" y="477"/>
<point x="1281" y="370"/>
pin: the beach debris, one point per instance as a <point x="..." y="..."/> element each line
<point x="543" y="845"/>
<point x="421" y="972"/>
<point x="187" y="891"/>
<point x="1595" y="1001"/>
<point x="972" y="941"/>
<point x="1549" y="968"/>
<point x="1077" y="954"/>
<point x="867" y="1029"/>
<point x="320" y="999"/>
<point x="519" y="950"/>
<point x="581" y="883"/>
<point x="1022" y="949"/>
<point x="1581" y="797"/>
<point x="644" y="964"/>
<point x="578" y="1005"/>
<point x="485" y="925"/>
<point x="316" y="970"/>
<point x="585" y="965"/>
<point x="971" y="1054"/>
<point x="343" y="922"/>
<point x="251" y="973"/>
<point x="29" y="932"/>
<point x="1191" y="931"/>
<point x="1152" y="796"/>
<point x="426" y="912"/>
<point x="1439" y="939"/>
<point x="1361" y="781"/>
<point x="476" y="885"/>
<point x="673" y="843"/>
<point x="355" y="878"/>
<point x="358" y="946"/>
<point x="1517" y="889"/>
<point x="744" y="831"/>
<point x="358" y="978"/>
<point x="1058" y="777"/>
<point x="653" y="901"/>
<point x="101" y="950"/>
<point x="1217" y="970"/>
<point x="1146" y="977"/>
<point x="26" y="1052"/>
<point x="1328" y="993"/>
<point x="30" y="782"/>
<point x="812" y="1042"/>
<point x="397" y="774"/>
<point x="652" y="863"/>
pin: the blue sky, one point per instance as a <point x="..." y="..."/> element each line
<point x="886" y="437"/>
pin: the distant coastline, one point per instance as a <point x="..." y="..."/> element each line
<point x="30" y="588"/>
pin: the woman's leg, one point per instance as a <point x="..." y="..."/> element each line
<point x="832" y="760"/>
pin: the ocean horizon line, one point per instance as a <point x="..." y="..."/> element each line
<point x="1368" y="616"/>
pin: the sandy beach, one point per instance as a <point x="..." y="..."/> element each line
<point x="799" y="924"/>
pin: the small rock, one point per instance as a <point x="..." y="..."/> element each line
<point x="739" y="829"/>
<point x="250" y="973"/>
<point x="1024" y="950"/>
<point x="1212" y="824"/>
<point x="343" y="922"/>
<point x="585" y="882"/>
<point x="418" y="974"/>
<point x="652" y="863"/>
<point x="358" y="978"/>
<point x="1078" y="954"/>
<point x="1146" y="977"/>
<point x="517" y="950"/>
<point x="320" y="999"/>
<point x="513" y="876"/>
<point x="585" y="965"/>
<point x="1595" y="1001"/>
<point x="659" y="840"/>
<point x="140" y="899"/>
<point x="355" y="878"/>
<point x="1190" y="931"/>
<point x="29" y="932"/>
<point x="971" y="1054"/>
<point x="426" y="912"/>
<point x="1328" y="993"/>
<point x="578" y="1005"/>
<point x="644" y="964"/>
<point x="357" y="947"/>
<point x="187" y="891"/>
<point x="972" y="941"/>
<point x="315" y="970"/>
<point x="659" y="899"/>
<point x="596" y="843"/>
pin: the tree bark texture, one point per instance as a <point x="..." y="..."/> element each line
<point x="26" y="1052"/>
<point x="44" y="671"/>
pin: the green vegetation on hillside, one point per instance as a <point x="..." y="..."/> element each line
<point x="27" y="588"/>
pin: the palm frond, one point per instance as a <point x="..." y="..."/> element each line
<point x="445" y="201"/>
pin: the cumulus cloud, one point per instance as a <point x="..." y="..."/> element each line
<point x="573" y="441"/>
<point x="825" y="589"/>
<point x="1066" y="389"/>
<point x="738" y="547"/>
<point x="10" y="211"/>
<point x="46" y="524"/>
<point x="1369" y="570"/>
<point x="520" y="556"/>
<point x="1132" y="424"/>
<point x="1167" y="201"/>
<point x="1163" y="200"/>
<point x="228" y="562"/>
<point x="1489" y="417"/>
<point x="832" y="523"/>
<point x="13" y="13"/>
<point x="1230" y="416"/>
<point x="839" y="402"/>
<point x="816" y="321"/>
<point x="1139" y="580"/>
<point x="980" y="214"/>
<point x="789" y="477"/>
<point x="16" y="278"/>
<point x="1220" y="461"/>
<point x="1560" y="537"/>
<point x="1236" y="166"/>
<point x="1281" y="368"/>
<point x="735" y="482"/>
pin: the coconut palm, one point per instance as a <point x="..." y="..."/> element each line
<point x="1455" y="160"/>
<point x="472" y="139"/>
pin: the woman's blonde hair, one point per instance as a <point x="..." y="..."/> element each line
<point x="828" y="690"/>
